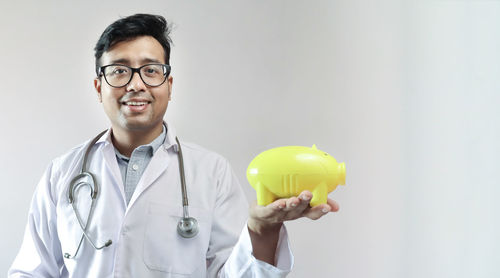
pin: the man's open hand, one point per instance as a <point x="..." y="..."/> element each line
<point x="288" y="209"/>
<point x="264" y="222"/>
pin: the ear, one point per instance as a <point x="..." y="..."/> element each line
<point x="169" y="81"/>
<point x="97" y="86"/>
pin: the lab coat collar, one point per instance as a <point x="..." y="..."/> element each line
<point x="170" y="138"/>
<point x="105" y="138"/>
<point x="158" y="164"/>
<point x="152" y="172"/>
<point x="167" y="144"/>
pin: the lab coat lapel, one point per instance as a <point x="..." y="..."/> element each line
<point x="153" y="171"/>
<point x="109" y="155"/>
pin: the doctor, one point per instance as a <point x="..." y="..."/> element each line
<point x="133" y="222"/>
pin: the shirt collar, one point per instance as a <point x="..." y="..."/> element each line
<point x="159" y="140"/>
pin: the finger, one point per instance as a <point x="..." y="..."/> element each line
<point x="278" y="205"/>
<point x="306" y="195"/>
<point x="303" y="203"/>
<point x="317" y="211"/>
<point x="333" y="205"/>
<point x="269" y="211"/>
<point x="291" y="204"/>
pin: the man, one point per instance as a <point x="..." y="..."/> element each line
<point x="130" y="228"/>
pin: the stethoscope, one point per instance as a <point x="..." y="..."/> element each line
<point x="187" y="226"/>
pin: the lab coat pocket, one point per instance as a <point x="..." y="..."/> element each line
<point x="165" y="250"/>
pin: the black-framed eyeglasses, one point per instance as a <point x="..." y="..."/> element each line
<point x="118" y="76"/>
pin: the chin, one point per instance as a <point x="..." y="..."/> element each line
<point x="141" y="125"/>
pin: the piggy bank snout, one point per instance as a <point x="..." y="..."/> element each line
<point x="341" y="175"/>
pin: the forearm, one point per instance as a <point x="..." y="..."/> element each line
<point x="264" y="240"/>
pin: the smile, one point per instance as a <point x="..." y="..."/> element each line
<point x="135" y="103"/>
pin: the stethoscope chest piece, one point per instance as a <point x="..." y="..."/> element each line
<point x="187" y="227"/>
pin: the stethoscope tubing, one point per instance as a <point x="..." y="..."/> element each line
<point x="187" y="226"/>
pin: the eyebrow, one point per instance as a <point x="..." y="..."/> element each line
<point x="127" y="61"/>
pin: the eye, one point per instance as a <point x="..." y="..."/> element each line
<point x="152" y="70"/>
<point x="119" y="71"/>
<point x="116" y="71"/>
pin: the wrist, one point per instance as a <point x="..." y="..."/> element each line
<point x="260" y="227"/>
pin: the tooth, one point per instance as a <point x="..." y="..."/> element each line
<point x="135" y="103"/>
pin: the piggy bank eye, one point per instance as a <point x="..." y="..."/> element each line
<point x="325" y="154"/>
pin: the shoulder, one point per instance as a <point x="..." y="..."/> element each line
<point x="61" y="170"/>
<point x="66" y="166"/>
<point x="199" y="156"/>
<point x="198" y="151"/>
<point x="72" y="157"/>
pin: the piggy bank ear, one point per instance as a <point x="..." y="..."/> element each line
<point x="314" y="147"/>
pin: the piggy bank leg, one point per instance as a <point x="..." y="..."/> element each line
<point x="320" y="195"/>
<point x="264" y="196"/>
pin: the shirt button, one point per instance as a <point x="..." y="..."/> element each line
<point x="135" y="167"/>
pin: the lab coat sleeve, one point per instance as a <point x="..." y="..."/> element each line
<point x="242" y="263"/>
<point x="230" y="248"/>
<point x="40" y="253"/>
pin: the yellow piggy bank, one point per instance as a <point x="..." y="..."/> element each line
<point x="286" y="171"/>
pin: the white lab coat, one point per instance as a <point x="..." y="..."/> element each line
<point x="145" y="240"/>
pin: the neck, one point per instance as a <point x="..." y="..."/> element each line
<point x="126" y="141"/>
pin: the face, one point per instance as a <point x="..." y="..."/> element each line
<point x="136" y="106"/>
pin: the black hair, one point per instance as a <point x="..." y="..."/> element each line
<point x="133" y="26"/>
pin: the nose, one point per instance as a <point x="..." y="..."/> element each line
<point x="136" y="83"/>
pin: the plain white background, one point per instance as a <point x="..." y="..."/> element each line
<point x="406" y="93"/>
